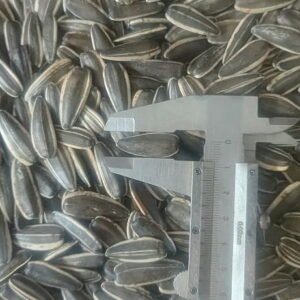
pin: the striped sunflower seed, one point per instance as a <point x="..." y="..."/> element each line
<point x="178" y="211"/>
<point x="42" y="130"/>
<point x="176" y="33"/>
<point x="49" y="275"/>
<point x="107" y="231"/>
<point x="46" y="8"/>
<point x="282" y="37"/>
<point x="41" y="237"/>
<point x="160" y="94"/>
<point x="49" y="38"/>
<point x="12" y="34"/>
<point x="26" y="194"/>
<point x="100" y="38"/>
<point x="6" y="250"/>
<point x="62" y="250"/>
<point x="89" y="205"/>
<point x="190" y="19"/>
<point x="74" y="295"/>
<point x="134" y="275"/>
<point x="67" y="52"/>
<point x="6" y="196"/>
<point x="290" y="223"/>
<point x="27" y="288"/>
<point x="117" y="85"/>
<point x="289" y="17"/>
<point x="257" y="6"/>
<point x="211" y="7"/>
<point x="173" y="89"/>
<point x="142" y="98"/>
<point x="84" y="275"/>
<point x="52" y="96"/>
<point x="226" y="28"/>
<point x="92" y="121"/>
<point x="7" y="293"/>
<point x="76" y="87"/>
<point x="77" y="231"/>
<point x="288" y="63"/>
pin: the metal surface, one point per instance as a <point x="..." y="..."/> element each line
<point x="223" y="188"/>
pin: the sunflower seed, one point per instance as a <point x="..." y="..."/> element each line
<point x="74" y="295"/>
<point x="178" y="210"/>
<point x="211" y="7"/>
<point x="257" y="6"/>
<point x="6" y="293"/>
<point x="176" y="33"/>
<point x="62" y="169"/>
<point x="100" y="38"/>
<point x="139" y="50"/>
<point x="47" y="8"/>
<point x="76" y="86"/>
<point x="173" y="89"/>
<point x="142" y="98"/>
<point x="52" y="96"/>
<point x="246" y="59"/>
<point x="66" y="247"/>
<point x="6" y="250"/>
<point x="288" y="63"/>
<point x="89" y="205"/>
<point x="92" y="121"/>
<point x="26" y="195"/>
<point x="32" y="37"/>
<point x="160" y="94"/>
<point x="49" y="275"/>
<point x="282" y="37"/>
<point x="190" y="19"/>
<point x="181" y="239"/>
<point x="291" y="293"/>
<point x="290" y="223"/>
<point x="42" y="237"/>
<point x="226" y="28"/>
<point x="49" y="33"/>
<point x="135" y="275"/>
<point x="6" y="196"/>
<point x="17" y="8"/>
<point x="117" y="85"/>
<point x="77" y="231"/>
<point x="85" y="275"/>
<point x="12" y="34"/>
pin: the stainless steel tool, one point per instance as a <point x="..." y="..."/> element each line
<point x="222" y="187"/>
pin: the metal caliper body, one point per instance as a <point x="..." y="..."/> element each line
<point x="222" y="186"/>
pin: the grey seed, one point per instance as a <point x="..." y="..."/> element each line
<point x="80" y="167"/>
<point x="94" y="98"/>
<point x="52" y="96"/>
<point x="21" y="112"/>
<point x="76" y="137"/>
<point x="6" y="250"/>
<point x="229" y="14"/>
<point x="6" y="196"/>
<point x="190" y="19"/>
<point x="62" y="169"/>
<point x="286" y="201"/>
<point x="139" y="82"/>
<point x="226" y="28"/>
<point x="135" y="275"/>
<point x="28" y="6"/>
<point x="282" y="37"/>
<point x="240" y="36"/>
<point x="17" y="8"/>
<point x="269" y="266"/>
<point x="147" y="22"/>
<point x="28" y="288"/>
<point x="93" y="61"/>
<point x="49" y="275"/>
<point x="49" y="34"/>
<point x="136" y="10"/>
<point x="290" y="223"/>
<point x="79" y="41"/>
<point x="211" y="7"/>
<point x="117" y="292"/>
<point x="9" y="82"/>
<point x="176" y="33"/>
<point x="46" y="8"/>
<point x="67" y="52"/>
<point x="74" y="94"/>
<point x="32" y="37"/>
<point x="202" y="64"/>
<point x="190" y="86"/>
<point x="26" y="194"/>
<point x="155" y="32"/>
<point x="92" y="121"/>
<point x="75" y="295"/>
<point x="100" y="38"/>
<point x="6" y="293"/>
<point x="113" y="184"/>
<point x="81" y="260"/>
<point x="150" y="145"/>
<point x="269" y="17"/>
<point x="84" y="275"/>
<point x="285" y="82"/>
<point x="178" y="210"/>
<point x="42" y="130"/>
<point x="66" y="247"/>
<point x="252" y="55"/>
<point x="86" y="10"/>
<point x="144" y="227"/>
<point x="291" y="293"/>
<point x="108" y="270"/>
<point x="117" y="85"/>
<point x="18" y="261"/>
<point x="157" y="192"/>
<point x="53" y="73"/>
<point x="12" y="34"/>
<point x="142" y="98"/>
<point x="78" y="231"/>
<point x="138" y="50"/>
<point x="235" y="85"/>
<point x="181" y="239"/>
<point x="42" y="237"/>
<point x="107" y="231"/>
<point x="288" y="63"/>
<point x="173" y="89"/>
<point x="89" y="205"/>
<point x="186" y="49"/>
<point x="160" y="95"/>
<point x="271" y="287"/>
<point x="47" y="185"/>
<point x="6" y="10"/>
<point x="289" y="17"/>
<point x="145" y="203"/>
<point x="257" y="6"/>
<point x="20" y="63"/>
<point x="273" y="105"/>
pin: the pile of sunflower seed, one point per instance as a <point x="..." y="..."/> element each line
<point x="70" y="229"/>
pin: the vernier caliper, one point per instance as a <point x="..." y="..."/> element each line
<point x="222" y="187"/>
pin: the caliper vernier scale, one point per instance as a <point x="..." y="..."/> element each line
<point x="222" y="187"/>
